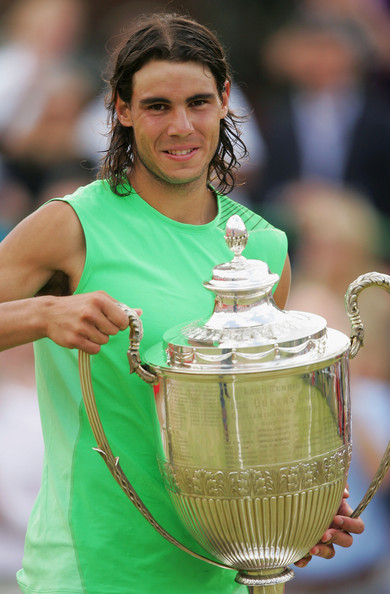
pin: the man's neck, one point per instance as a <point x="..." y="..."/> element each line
<point x="192" y="203"/>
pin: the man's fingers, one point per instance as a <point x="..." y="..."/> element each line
<point x="92" y="348"/>
<point x="326" y="551"/>
<point x="338" y="537"/>
<point x="345" y="509"/>
<point x="339" y="533"/>
<point x="85" y="321"/>
<point x="303" y="562"/>
<point x="106" y="316"/>
<point x="348" y="524"/>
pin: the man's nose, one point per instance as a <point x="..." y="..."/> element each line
<point x="180" y="122"/>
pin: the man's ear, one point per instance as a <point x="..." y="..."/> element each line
<point x="123" y="112"/>
<point x="225" y="99"/>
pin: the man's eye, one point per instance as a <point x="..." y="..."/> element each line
<point x="157" y="107"/>
<point x="199" y="102"/>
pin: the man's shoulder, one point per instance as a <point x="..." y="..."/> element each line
<point x="92" y="191"/>
<point x="252" y="220"/>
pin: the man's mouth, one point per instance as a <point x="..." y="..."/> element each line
<point x="180" y="153"/>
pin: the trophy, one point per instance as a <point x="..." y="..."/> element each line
<point x="254" y="435"/>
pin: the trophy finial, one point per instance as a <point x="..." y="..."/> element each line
<point x="236" y="235"/>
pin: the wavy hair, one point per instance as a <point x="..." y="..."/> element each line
<point x="174" y="38"/>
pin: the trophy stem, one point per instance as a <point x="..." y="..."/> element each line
<point x="265" y="581"/>
<point x="270" y="589"/>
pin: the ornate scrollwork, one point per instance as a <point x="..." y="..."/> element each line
<point x="259" y="481"/>
<point x="370" y="279"/>
<point x="136" y="333"/>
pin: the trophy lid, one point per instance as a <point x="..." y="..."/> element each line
<point x="246" y="332"/>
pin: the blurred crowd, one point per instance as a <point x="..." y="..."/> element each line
<point x="318" y="134"/>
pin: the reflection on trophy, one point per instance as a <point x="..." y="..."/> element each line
<point x="254" y="431"/>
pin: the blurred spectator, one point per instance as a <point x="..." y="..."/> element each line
<point x="327" y="125"/>
<point x="373" y="18"/>
<point x="43" y="90"/>
<point x="15" y="204"/>
<point x="37" y="36"/>
<point x="338" y="241"/>
<point x="251" y="167"/>
<point x="21" y="457"/>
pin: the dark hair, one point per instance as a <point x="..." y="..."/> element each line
<point x="178" y="39"/>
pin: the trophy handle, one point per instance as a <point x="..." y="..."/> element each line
<point x="112" y="462"/>
<point x="370" y="279"/>
<point x="136" y="334"/>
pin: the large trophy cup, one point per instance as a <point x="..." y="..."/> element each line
<point x="254" y="441"/>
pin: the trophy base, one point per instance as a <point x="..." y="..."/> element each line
<point x="265" y="581"/>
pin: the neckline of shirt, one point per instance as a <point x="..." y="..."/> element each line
<point x="177" y="224"/>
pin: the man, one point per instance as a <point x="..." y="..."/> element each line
<point x="147" y="234"/>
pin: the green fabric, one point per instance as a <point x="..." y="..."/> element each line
<point x="84" y="535"/>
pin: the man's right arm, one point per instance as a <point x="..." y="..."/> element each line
<point x="49" y="241"/>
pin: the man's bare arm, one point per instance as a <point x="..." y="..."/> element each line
<point x="49" y="241"/>
<point x="283" y="288"/>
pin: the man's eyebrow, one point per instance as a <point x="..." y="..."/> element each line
<point x="150" y="100"/>
<point x="197" y="97"/>
<point x="201" y="96"/>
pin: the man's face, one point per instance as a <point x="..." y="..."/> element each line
<point x="175" y="113"/>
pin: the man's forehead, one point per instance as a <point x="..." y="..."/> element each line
<point x="170" y="74"/>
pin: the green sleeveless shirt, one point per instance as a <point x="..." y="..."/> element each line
<point x="84" y="535"/>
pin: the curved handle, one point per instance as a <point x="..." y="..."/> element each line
<point x="375" y="483"/>
<point x="370" y="279"/>
<point x="136" y="334"/>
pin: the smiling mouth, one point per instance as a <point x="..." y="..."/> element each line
<point x="180" y="153"/>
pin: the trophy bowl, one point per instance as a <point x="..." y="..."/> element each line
<point x="254" y="421"/>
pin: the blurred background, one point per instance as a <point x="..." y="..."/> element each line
<point x="314" y="75"/>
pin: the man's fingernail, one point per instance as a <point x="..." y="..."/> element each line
<point x="315" y="551"/>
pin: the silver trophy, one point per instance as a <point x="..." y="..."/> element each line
<point x="254" y="421"/>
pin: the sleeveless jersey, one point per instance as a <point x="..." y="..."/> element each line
<point x="84" y="535"/>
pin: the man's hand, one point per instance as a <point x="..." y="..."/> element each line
<point x="338" y="533"/>
<point x="84" y="321"/>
